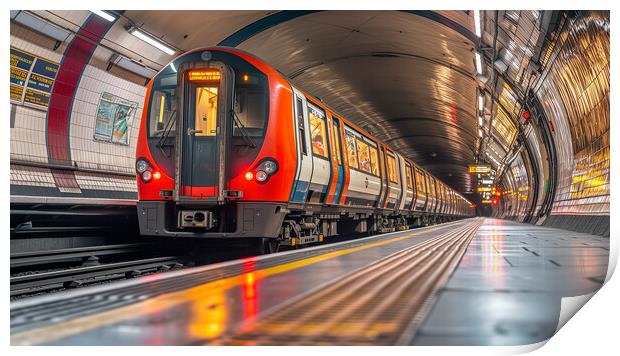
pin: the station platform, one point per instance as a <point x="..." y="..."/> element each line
<point x="471" y="282"/>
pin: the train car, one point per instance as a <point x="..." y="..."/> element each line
<point x="230" y="148"/>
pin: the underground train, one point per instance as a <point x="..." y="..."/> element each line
<point x="228" y="147"/>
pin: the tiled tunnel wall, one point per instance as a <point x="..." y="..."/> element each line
<point x="573" y="91"/>
<point x="96" y="168"/>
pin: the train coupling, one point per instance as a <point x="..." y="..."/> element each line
<point x="196" y="218"/>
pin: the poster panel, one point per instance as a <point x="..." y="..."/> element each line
<point x="113" y="118"/>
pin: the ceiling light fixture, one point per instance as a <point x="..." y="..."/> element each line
<point x="104" y="15"/>
<point x="480" y="120"/>
<point x="133" y="66"/>
<point x="152" y="41"/>
<point x="480" y="103"/>
<point x="478" y="63"/>
<point x="477" y="23"/>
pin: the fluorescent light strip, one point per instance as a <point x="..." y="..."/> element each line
<point x="153" y="42"/>
<point x="104" y="15"/>
<point x="477" y="23"/>
<point x="480" y="120"/>
<point x="478" y="63"/>
<point x="480" y="132"/>
<point x="480" y="103"/>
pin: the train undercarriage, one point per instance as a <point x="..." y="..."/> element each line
<point x="274" y="224"/>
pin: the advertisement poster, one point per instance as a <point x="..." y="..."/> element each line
<point x="113" y="116"/>
<point x="32" y="79"/>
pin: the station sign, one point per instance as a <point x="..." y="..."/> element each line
<point x="32" y="79"/>
<point x="479" y="168"/>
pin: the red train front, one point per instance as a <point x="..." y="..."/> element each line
<point x="210" y="160"/>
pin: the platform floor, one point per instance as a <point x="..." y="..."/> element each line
<point x="508" y="287"/>
<point x="505" y="290"/>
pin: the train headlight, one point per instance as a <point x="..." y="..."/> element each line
<point x="147" y="176"/>
<point x="269" y="166"/>
<point x="142" y="165"/>
<point x="261" y="176"/>
<point x="265" y="169"/>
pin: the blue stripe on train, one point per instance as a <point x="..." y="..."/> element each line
<point x="339" y="184"/>
<point x="301" y="190"/>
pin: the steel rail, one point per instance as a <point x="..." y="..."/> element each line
<point x="22" y="259"/>
<point x="24" y="284"/>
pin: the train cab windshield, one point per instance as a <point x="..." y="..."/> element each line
<point x="246" y="118"/>
<point x="250" y="99"/>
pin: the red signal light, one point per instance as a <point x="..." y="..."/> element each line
<point x="526" y="115"/>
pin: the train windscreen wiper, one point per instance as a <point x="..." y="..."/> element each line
<point x="244" y="133"/>
<point x="161" y="143"/>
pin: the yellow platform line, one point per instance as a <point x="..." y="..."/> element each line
<point x="156" y="304"/>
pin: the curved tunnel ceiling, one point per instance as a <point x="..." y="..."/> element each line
<point x="406" y="78"/>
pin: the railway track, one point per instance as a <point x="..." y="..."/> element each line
<point x="73" y="277"/>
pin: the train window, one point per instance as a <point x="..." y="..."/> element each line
<point x="206" y="111"/>
<point x="351" y="150"/>
<point x="409" y="176"/>
<point x="363" y="156"/>
<point x="374" y="161"/>
<point x="300" y="119"/>
<point x="391" y="164"/>
<point x="419" y="179"/>
<point x="249" y="104"/>
<point x="336" y="134"/>
<point x="318" y="132"/>
<point x="431" y="186"/>
<point x="163" y="106"/>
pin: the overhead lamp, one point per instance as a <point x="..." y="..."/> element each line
<point x="478" y="62"/>
<point x="480" y="120"/>
<point x="40" y="25"/>
<point x="480" y="103"/>
<point x="482" y="78"/>
<point x="477" y="25"/>
<point x="104" y="15"/>
<point x="480" y="132"/>
<point x="152" y="41"/>
<point x="132" y="66"/>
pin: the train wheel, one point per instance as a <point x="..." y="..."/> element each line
<point x="269" y="245"/>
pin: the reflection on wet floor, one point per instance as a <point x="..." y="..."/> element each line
<point x="508" y="288"/>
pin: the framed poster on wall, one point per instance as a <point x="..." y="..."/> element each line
<point x="113" y="117"/>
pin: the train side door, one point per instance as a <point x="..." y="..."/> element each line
<point x="303" y="174"/>
<point x="202" y="133"/>
<point x="338" y="157"/>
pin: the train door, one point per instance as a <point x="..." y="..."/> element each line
<point x="303" y="174"/>
<point x="205" y="96"/>
<point x="320" y="153"/>
<point x="338" y="157"/>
